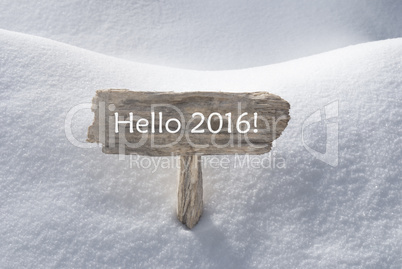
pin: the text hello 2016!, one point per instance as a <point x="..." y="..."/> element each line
<point x="241" y="126"/>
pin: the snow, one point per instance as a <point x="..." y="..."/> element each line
<point x="206" y="34"/>
<point x="71" y="207"/>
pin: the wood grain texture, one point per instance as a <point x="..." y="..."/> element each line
<point x="273" y="117"/>
<point x="189" y="191"/>
<point x="272" y="110"/>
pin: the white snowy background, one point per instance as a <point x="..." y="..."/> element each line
<point x="64" y="206"/>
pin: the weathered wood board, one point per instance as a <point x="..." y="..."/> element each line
<point x="272" y="118"/>
<point x="189" y="124"/>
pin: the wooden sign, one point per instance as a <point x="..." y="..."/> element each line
<point x="189" y="124"/>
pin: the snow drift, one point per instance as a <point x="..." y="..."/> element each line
<point x="66" y="206"/>
<point x="206" y="34"/>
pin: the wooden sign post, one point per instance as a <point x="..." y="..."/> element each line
<point x="188" y="124"/>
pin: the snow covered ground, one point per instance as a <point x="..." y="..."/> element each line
<point x="206" y="34"/>
<point x="67" y="206"/>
